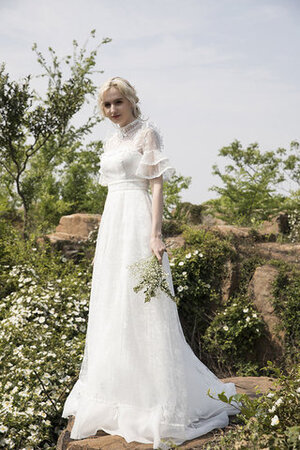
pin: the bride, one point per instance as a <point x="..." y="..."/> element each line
<point x="139" y="377"/>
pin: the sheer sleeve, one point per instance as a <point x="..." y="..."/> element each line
<point x="154" y="162"/>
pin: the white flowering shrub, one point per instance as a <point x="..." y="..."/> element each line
<point x="43" y="318"/>
<point x="197" y="272"/>
<point x="234" y="332"/>
<point x="294" y="224"/>
<point x="269" y="421"/>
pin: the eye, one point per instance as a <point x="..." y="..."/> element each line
<point x="107" y="105"/>
<point x="119" y="101"/>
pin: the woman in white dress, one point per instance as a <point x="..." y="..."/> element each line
<point x="139" y="377"/>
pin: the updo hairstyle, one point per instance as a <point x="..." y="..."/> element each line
<point x="126" y="89"/>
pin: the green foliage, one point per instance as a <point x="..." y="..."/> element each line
<point x="286" y="302"/>
<point x="198" y="270"/>
<point x="269" y="421"/>
<point x="251" y="181"/>
<point x="247" y="267"/>
<point x="43" y="319"/>
<point x="172" y="190"/>
<point x="186" y="212"/>
<point x="37" y="136"/>
<point x="233" y="334"/>
<point x="171" y="228"/>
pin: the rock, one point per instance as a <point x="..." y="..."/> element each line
<point x="103" y="440"/>
<point x="260" y="290"/>
<point x="239" y="232"/>
<point x="75" y="227"/>
<point x="270" y="230"/>
<point x="249" y="385"/>
<point x="273" y="250"/>
<point x="278" y="224"/>
<point x="175" y="242"/>
<point x="230" y="282"/>
<point x="71" y="232"/>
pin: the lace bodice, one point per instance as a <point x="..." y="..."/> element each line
<point x="134" y="152"/>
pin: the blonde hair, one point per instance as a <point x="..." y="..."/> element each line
<point x="126" y="89"/>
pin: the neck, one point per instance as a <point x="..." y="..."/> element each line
<point x="129" y="123"/>
<point x="130" y="127"/>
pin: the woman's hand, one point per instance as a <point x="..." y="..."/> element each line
<point x="157" y="247"/>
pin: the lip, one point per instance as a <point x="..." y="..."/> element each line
<point x="116" y="117"/>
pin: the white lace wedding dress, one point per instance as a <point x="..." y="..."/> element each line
<point x="139" y="378"/>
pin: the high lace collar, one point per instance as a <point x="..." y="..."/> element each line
<point x="129" y="129"/>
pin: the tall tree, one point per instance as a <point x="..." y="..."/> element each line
<point x="36" y="132"/>
<point x="250" y="183"/>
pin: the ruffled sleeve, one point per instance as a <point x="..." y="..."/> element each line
<point x="154" y="162"/>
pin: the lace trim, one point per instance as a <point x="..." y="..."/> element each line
<point x="129" y="129"/>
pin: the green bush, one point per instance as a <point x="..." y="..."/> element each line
<point x="286" y="303"/>
<point x="233" y="334"/>
<point x="198" y="270"/>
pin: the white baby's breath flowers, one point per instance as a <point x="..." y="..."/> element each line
<point x="181" y="263"/>
<point x="271" y="410"/>
<point x="245" y="310"/>
<point x="254" y="315"/>
<point x="151" y="278"/>
<point x="270" y="394"/>
<point x="247" y="319"/>
<point x="196" y="252"/>
<point x="225" y="328"/>
<point x="278" y="402"/>
<point x="274" y="421"/>
<point x="188" y="255"/>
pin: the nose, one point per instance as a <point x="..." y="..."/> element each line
<point x="112" y="108"/>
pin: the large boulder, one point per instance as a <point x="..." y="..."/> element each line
<point x="273" y="250"/>
<point x="75" y="227"/>
<point x="71" y="232"/>
<point x="271" y="346"/>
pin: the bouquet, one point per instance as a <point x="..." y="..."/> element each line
<point x="151" y="278"/>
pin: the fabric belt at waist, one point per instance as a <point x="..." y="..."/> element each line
<point x="121" y="185"/>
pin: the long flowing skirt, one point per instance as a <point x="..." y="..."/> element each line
<point x="139" y="377"/>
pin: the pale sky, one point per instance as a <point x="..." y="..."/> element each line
<point x="207" y="72"/>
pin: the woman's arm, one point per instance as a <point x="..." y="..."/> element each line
<point x="156" y="244"/>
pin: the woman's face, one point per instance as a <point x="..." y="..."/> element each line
<point x="117" y="107"/>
